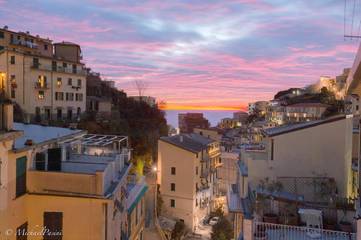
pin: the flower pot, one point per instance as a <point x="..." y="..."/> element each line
<point x="345" y="226"/>
<point x="270" y="218"/>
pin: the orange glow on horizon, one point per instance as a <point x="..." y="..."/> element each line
<point x="190" y="107"/>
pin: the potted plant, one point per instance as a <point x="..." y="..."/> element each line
<point x="290" y="217"/>
<point x="270" y="187"/>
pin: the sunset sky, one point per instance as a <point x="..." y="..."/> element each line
<point x="197" y="53"/>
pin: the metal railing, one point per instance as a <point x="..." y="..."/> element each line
<point x="272" y="231"/>
<point x="58" y="69"/>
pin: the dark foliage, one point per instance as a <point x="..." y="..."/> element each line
<point x="179" y="230"/>
<point x="223" y="230"/>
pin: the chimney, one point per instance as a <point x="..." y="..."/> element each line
<point x="6" y="27"/>
<point x="181" y="138"/>
<point x="7" y="116"/>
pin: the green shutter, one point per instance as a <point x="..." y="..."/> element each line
<point x="20" y="166"/>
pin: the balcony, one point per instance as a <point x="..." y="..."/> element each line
<point x="58" y="69"/>
<point x="272" y="231"/>
<point x="80" y="175"/>
<point x="24" y="43"/>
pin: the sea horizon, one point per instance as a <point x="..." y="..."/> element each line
<point x="213" y="116"/>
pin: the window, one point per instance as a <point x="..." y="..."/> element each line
<point x="59" y="96"/>
<point x="172" y="203"/>
<point x="42" y="81"/>
<point x="272" y="148"/>
<point x="79" y="82"/>
<point x="70" y="114"/>
<point x="1" y="47"/>
<point x="12" y="59"/>
<point x="65" y="65"/>
<point x="74" y="68"/>
<point x="46" y="47"/>
<point x="58" y="82"/>
<point x="41" y="95"/>
<point x="356" y="107"/>
<point x="36" y="62"/>
<point x="172" y="170"/>
<point x="70" y="81"/>
<point x="196" y="202"/>
<point x="59" y="114"/>
<point x="53" y="222"/>
<point x="47" y="113"/>
<point x="69" y="96"/>
<point x="12" y="93"/>
<point x="37" y="114"/>
<point x="1" y="34"/>
<point x="80" y="97"/>
<point x="196" y="170"/>
<point x="21" y="232"/>
<point x="172" y="187"/>
<point x="20" y="176"/>
<point x="78" y="111"/>
<point x="54" y="66"/>
<point x="40" y="161"/>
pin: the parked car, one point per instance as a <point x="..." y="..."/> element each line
<point x="213" y="221"/>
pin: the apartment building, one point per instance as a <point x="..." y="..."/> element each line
<point x="72" y="184"/>
<point x="213" y="133"/>
<point x="228" y="123"/>
<point x="188" y="121"/>
<point x="258" y="107"/>
<point x="316" y="147"/>
<point x="297" y="159"/>
<point x="189" y="198"/>
<point x="135" y="204"/>
<point x="241" y="116"/>
<point x="301" y="112"/>
<point x="47" y="80"/>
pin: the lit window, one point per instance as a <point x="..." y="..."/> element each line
<point x="41" y="95"/>
<point x="58" y="82"/>
<point x="42" y="81"/>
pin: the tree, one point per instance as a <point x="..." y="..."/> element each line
<point x="141" y="86"/>
<point x="223" y="230"/>
<point x="179" y="230"/>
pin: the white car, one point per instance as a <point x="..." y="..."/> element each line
<point x="213" y="221"/>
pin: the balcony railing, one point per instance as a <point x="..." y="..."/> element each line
<point x="24" y="43"/>
<point x="58" y="69"/>
<point x="272" y="231"/>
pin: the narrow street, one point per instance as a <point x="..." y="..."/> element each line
<point x="150" y="231"/>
